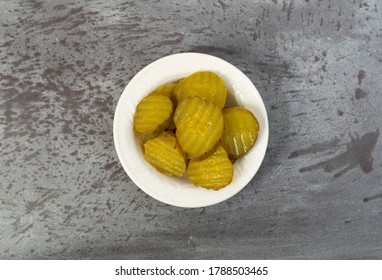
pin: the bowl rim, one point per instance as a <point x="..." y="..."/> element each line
<point x="264" y="129"/>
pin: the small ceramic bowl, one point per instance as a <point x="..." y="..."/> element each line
<point x="180" y="191"/>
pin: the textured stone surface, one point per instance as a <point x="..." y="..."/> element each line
<point x="317" y="65"/>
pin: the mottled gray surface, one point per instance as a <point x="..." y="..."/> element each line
<point x="63" y="67"/>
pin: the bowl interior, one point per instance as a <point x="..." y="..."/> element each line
<point x="180" y="191"/>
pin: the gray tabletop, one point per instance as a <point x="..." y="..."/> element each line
<point x="317" y="66"/>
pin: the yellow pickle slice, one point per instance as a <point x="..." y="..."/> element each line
<point x="166" y="89"/>
<point x="152" y="116"/>
<point x="241" y="129"/>
<point x="213" y="172"/>
<point x="206" y="85"/>
<point x="199" y="126"/>
<point x="164" y="153"/>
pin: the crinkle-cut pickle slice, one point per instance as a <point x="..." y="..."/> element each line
<point x="206" y="85"/>
<point x="164" y="153"/>
<point x="213" y="172"/>
<point x="175" y="92"/>
<point x="152" y="116"/>
<point x="199" y="126"/>
<point x="166" y="89"/>
<point x="241" y="129"/>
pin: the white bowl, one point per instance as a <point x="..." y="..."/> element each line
<point x="180" y="191"/>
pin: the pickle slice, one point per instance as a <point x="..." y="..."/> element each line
<point x="213" y="172"/>
<point x="153" y="115"/>
<point x="206" y="85"/>
<point x="164" y="153"/>
<point x="199" y="126"/>
<point x="241" y="129"/>
<point x="165" y="89"/>
<point x="175" y="92"/>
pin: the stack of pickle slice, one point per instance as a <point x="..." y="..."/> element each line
<point x="185" y="128"/>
